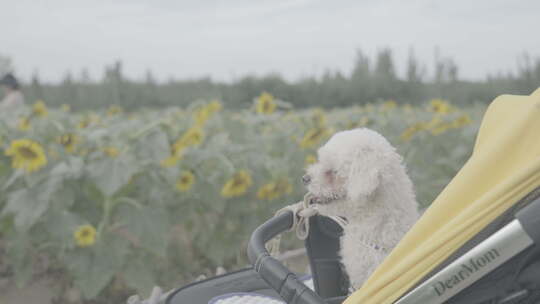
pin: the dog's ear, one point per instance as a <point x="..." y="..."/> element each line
<point x="364" y="174"/>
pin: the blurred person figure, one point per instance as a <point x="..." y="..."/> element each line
<point x="13" y="97"/>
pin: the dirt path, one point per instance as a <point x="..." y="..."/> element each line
<point x="38" y="292"/>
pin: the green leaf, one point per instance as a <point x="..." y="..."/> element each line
<point x="71" y="169"/>
<point x="61" y="224"/>
<point x="139" y="275"/>
<point x="35" y="178"/>
<point x="150" y="226"/>
<point x="93" y="267"/>
<point x="28" y="205"/>
<point x="111" y="174"/>
<point x="153" y="146"/>
<point x="14" y="177"/>
<point x="63" y="198"/>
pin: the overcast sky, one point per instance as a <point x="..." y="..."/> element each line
<point x="230" y="38"/>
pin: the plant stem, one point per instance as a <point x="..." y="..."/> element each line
<point x="107" y="204"/>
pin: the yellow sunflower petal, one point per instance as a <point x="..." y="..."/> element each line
<point x="85" y="235"/>
<point x="27" y="155"/>
<point x="186" y="181"/>
<point x="237" y="185"/>
<point x="39" y="109"/>
<point x="265" y="104"/>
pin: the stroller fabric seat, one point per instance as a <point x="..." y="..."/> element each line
<point x="503" y="169"/>
<point x="254" y="297"/>
<point x="244" y="298"/>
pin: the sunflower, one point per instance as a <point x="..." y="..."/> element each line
<point x="310" y="160"/>
<point x="214" y="106"/>
<point x="462" y="121"/>
<point x="114" y="110"/>
<point x="389" y="105"/>
<point x="85" y="235"/>
<point x="436" y="125"/>
<point x="39" y="109"/>
<point x="434" y="122"/>
<point x="185" y="182"/>
<point x="267" y="192"/>
<point x="69" y="141"/>
<point x="284" y="187"/>
<point x="24" y="124"/>
<point x="440" y="106"/>
<point x="237" y="185"/>
<point x="193" y="137"/>
<point x="356" y="124"/>
<point x="412" y="130"/>
<point x="319" y="118"/>
<point x="274" y="190"/>
<point x="407" y="108"/>
<point x="26" y="154"/>
<point x="84" y="123"/>
<point x="313" y="137"/>
<point x="170" y="161"/>
<point x="177" y="149"/>
<point x="265" y="104"/>
<point x="440" y="128"/>
<point x="202" y="115"/>
<point x="177" y="153"/>
<point x="111" y="151"/>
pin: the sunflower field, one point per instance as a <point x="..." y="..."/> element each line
<point x="110" y="203"/>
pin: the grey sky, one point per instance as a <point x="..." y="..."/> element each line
<point x="228" y="39"/>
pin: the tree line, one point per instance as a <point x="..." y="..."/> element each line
<point x="371" y="79"/>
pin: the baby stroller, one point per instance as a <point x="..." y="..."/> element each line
<point x="479" y="242"/>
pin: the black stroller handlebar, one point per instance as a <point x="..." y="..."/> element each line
<point x="529" y="217"/>
<point x="293" y="291"/>
<point x="281" y="279"/>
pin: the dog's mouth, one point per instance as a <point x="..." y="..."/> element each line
<point x="323" y="200"/>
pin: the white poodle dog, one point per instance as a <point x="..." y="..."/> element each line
<point x="359" y="176"/>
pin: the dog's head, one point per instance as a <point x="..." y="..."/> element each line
<point x="350" y="166"/>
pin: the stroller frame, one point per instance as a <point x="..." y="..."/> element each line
<point x="520" y="274"/>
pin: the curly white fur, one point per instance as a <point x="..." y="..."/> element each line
<point x="361" y="177"/>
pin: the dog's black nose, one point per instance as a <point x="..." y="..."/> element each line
<point x="306" y="179"/>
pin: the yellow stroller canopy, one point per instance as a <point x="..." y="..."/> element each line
<point x="504" y="168"/>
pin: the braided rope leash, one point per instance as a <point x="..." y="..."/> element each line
<point x="302" y="212"/>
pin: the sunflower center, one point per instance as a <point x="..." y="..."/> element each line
<point x="85" y="233"/>
<point x="237" y="182"/>
<point x="266" y="106"/>
<point x="315" y="134"/>
<point x="27" y="153"/>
